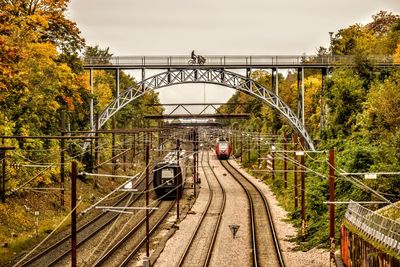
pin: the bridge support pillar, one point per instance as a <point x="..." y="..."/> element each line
<point x="248" y="72"/>
<point x="302" y="96"/>
<point x="275" y="80"/>
<point x="143" y="78"/>
<point x="323" y="110"/>
<point x="117" y="82"/>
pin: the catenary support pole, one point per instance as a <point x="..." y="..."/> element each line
<point x="273" y="155"/>
<point x="303" y="193"/>
<point x="332" y="207"/>
<point x="134" y="147"/>
<point x="284" y="160"/>
<point x="124" y="147"/>
<point x="3" y="176"/>
<point x="276" y="84"/>
<point x="248" y="147"/>
<point x="114" y="161"/>
<point x="295" y="140"/>
<point x="302" y="97"/>
<point x="96" y="146"/>
<point x="241" y="146"/>
<point x="91" y="100"/>
<point x="147" y="201"/>
<point x="176" y="179"/>
<point x="62" y="159"/>
<point x="259" y="150"/>
<point x="74" y="175"/>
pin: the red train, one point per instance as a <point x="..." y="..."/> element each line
<point x="223" y="149"/>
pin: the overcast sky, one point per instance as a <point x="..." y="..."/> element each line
<point x="217" y="27"/>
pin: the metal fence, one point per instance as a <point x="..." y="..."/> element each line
<point x="376" y="227"/>
<point x="285" y="60"/>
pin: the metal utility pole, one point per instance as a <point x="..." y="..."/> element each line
<point x="125" y="150"/>
<point x="74" y="175"/>
<point x="248" y="147"/>
<point x="144" y="143"/>
<point x="302" y="97"/>
<point x="295" y="171"/>
<point x="195" y="161"/>
<point x="273" y="156"/>
<point x="91" y="100"/>
<point x="3" y="150"/>
<point x="284" y="160"/>
<point x="332" y="207"/>
<point x="147" y="201"/>
<point x="303" y="193"/>
<point x="159" y="139"/>
<point x="151" y="140"/>
<point x="259" y="150"/>
<point x="96" y="146"/>
<point x="113" y="161"/>
<point x="178" y="145"/>
<point x="234" y="142"/>
<point x="241" y="146"/>
<point x="62" y="159"/>
<point x="134" y="147"/>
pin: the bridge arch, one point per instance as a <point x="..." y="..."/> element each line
<point x="212" y="76"/>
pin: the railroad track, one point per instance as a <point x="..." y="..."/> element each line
<point x="199" y="249"/>
<point x="265" y="244"/>
<point x="128" y="246"/>
<point x="62" y="248"/>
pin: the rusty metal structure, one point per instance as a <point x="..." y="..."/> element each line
<point x="369" y="239"/>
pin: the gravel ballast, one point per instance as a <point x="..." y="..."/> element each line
<point x="237" y="252"/>
<point x="312" y="258"/>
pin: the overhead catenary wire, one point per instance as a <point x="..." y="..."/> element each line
<point x="47" y="237"/>
<point x="354" y="181"/>
<point x="49" y="166"/>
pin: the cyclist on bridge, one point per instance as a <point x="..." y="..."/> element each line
<point x="196" y="59"/>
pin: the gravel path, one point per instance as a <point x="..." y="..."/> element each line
<point x="314" y="257"/>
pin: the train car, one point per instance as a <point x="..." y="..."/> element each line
<point x="168" y="177"/>
<point x="223" y="149"/>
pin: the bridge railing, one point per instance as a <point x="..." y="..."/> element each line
<point x="289" y="60"/>
<point x="376" y="227"/>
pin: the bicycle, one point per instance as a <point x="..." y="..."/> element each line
<point x="197" y="60"/>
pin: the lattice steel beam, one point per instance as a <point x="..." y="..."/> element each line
<point x="211" y="76"/>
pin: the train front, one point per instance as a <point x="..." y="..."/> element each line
<point x="223" y="149"/>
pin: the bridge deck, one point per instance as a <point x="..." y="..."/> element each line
<point x="178" y="62"/>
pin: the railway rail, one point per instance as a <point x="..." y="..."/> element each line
<point x="265" y="244"/>
<point x="135" y="238"/>
<point x="206" y="230"/>
<point x="53" y="254"/>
